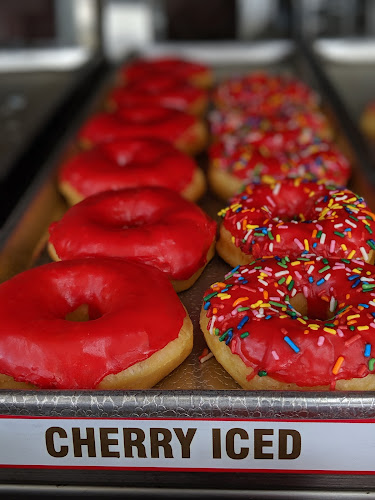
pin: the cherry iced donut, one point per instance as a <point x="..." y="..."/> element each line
<point x="186" y="132"/>
<point x="292" y="217"/>
<point x="162" y="90"/>
<point x="132" y="330"/>
<point x="244" y="124"/>
<point x="153" y="225"/>
<point x="126" y="163"/>
<point x="230" y="170"/>
<point x="269" y="141"/>
<point x="147" y="69"/>
<point x="264" y="93"/>
<point x="304" y="323"/>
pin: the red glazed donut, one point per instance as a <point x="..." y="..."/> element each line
<point x="264" y="93"/>
<point x="161" y="90"/>
<point x="153" y="225"/>
<point x="291" y="217"/>
<point x="146" y="69"/>
<point x="242" y="124"/>
<point x="304" y="323"/>
<point x="138" y="330"/>
<point x="130" y="163"/>
<point x="271" y="141"/>
<point x="230" y="170"/>
<point x="184" y="131"/>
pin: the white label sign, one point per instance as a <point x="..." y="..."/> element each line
<point x="210" y="445"/>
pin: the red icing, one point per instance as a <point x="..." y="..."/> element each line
<point x="137" y="121"/>
<point x="151" y="225"/>
<point x="128" y="163"/>
<point x="149" y="68"/>
<point x="321" y="160"/>
<point x="272" y="141"/>
<point x="163" y="90"/>
<point x="329" y="350"/>
<point x="241" y="123"/>
<point x="263" y="93"/>
<point x="137" y="311"/>
<point x="297" y="211"/>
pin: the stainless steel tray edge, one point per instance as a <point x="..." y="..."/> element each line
<point x="190" y="404"/>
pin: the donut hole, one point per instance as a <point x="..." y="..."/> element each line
<point x="293" y="205"/>
<point x="289" y="218"/>
<point x="83" y="312"/>
<point x="314" y="310"/>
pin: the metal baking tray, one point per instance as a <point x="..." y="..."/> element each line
<point x="193" y="390"/>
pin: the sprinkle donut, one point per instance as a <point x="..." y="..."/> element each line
<point x="264" y="93"/>
<point x="186" y="132"/>
<point x="304" y="323"/>
<point x="241" y="123"/>
<point x="230" y="170"/>
<point x="292" y="217"/>
<point x="162" y="90"/>
<point x="135" y="330"/>
<point x="152" y="225"/>
<point x="126" y="163"/>
<point x="272" y="140"/>
<point x="147" y="69"/>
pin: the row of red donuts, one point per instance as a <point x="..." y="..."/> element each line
<point x="130" y="211"/>
<point x="297" y="311"/>
<point x="107" y="315"/>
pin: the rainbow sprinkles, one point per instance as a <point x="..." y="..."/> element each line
<point x="303" y="322"/>
<point x="295" y="216"/>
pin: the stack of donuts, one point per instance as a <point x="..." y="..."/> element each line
<point x="297" y="310"/>
<point x="106" y="315"/>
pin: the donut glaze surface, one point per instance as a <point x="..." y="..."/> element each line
<point x="128" y="163"/>
<point x="151" y="224"/>
<point x="241" y="123"/>
<point x="264" y="93"/>
<point x="294" y="216"/>
<point x="137" y="121"/>
<point x="162" y="90"/>
<point x="271" y="141"/>
<point x="320" y="160"/>
<point x="143" y="69"/>
<point x="251" y="311"/>
<point x="133" y="311"/>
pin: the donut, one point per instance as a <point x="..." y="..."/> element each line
<point x="130" y="162"/>
<point x="269" y="141"/>
<point x="230" y="170"/>
<point x="367" y="120"/>
<point x="294" y="216"/>
<point x="300" y="323"/>
<point x="242" y="124"/>
<point x="147" y="69"/>
<point x="161" y="90"/>
<point x="186" y="132"/>
<point x="264" y="93"/>
<point x="135" y="329"/>
<point x="153" y="225"/>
